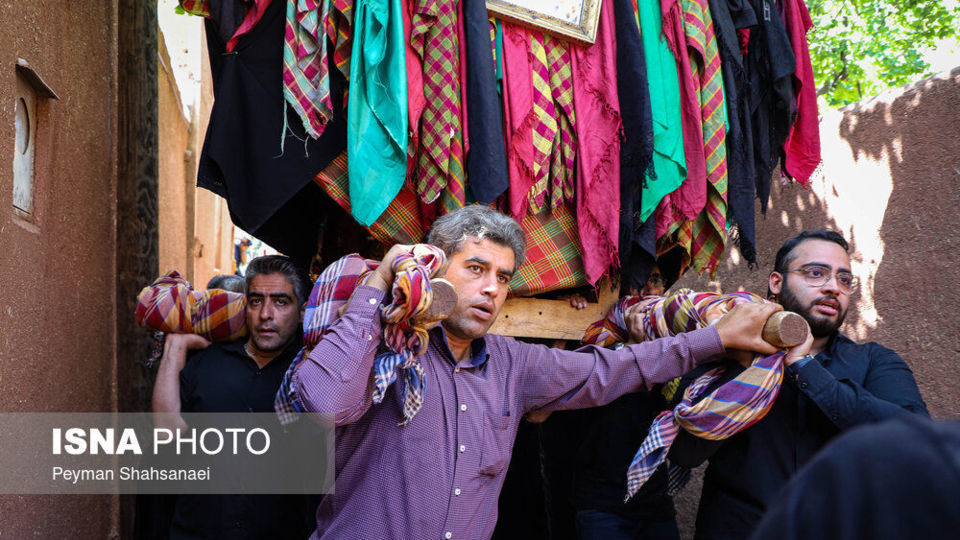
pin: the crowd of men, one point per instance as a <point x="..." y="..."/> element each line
<point x="440" y="475"/>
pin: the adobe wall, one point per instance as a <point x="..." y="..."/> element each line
<point x="57" y="266"/>
<point x="174" y="140"/>
<point x="890" y="182"/>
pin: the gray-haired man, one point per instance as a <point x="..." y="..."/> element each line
<point x="440" y="475"/>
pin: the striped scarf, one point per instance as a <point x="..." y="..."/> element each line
<point x="170" y="305"/>
<point x="404" y="339"/>
<point x="724" y="412"/>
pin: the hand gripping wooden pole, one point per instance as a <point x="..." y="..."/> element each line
<point x="785" y="329"/>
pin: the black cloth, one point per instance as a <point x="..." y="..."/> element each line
<point x="247" y="158"/>
<point x="845" y="385"/>
<point x="222" y="378"/>
<point x="487" y="156"/>
<point x="894" y="480"/>
<point x="741" y="187"/>
<point x="226" y="16"/>
<point x="637" y="244"/>
<point x="770" y="66"/>
<point x="612" y="434"/>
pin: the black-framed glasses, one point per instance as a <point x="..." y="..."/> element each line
<point x="817" y="276"/>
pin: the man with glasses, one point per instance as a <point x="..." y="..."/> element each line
<point x="838" y="385"/>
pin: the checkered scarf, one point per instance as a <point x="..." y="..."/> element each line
<point x="724" y="412"/>
<point x="404" y="339"/>
<point x="306" y="81"/>
<point x="170" y="305"/>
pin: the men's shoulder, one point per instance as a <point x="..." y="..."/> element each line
<point x="871" y="349"/>
<point x="217" y="349"/>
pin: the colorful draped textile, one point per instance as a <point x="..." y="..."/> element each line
<point x="306" y="81"/>
<point x="170" y="305"/>
<point x="597" y="108"/>
<point x="669" y="160"/>
<point x="729" y="409"/>
<point x="400" y="223"/>
<point x="435" y="39"/>
<point x="802" y="148"/>
<point x="553" y="253"/>
<point x="404" y="339"/>
<point x="338" y="25"/>
<point x="704" y="236"/>
<point x="330" y="292"/>
<point x="377" y="110"/>
<point x="519" y="116"/>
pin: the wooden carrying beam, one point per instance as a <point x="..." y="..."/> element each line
<point x="552" y="319"/>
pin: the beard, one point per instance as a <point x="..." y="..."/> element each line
<point x="820" y="326"/>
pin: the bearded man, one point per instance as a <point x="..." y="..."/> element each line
<point x="838" y="385"/>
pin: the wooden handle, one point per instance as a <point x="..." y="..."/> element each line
<point x="785" y="329"/>
<point x="444" y="301"/>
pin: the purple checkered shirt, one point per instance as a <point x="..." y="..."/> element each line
<point x="439" y="477"/>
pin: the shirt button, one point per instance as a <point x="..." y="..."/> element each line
<point x="372" y="301"/>
<point x="463" y="407"/>
<point x="463" y="448"/>
<point x="456" y="492"/>
<point x="449" y="535"/>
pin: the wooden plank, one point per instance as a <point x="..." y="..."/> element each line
<point x="551" y="319"/>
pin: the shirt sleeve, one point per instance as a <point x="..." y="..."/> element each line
<point x="335" y="378"/>
<point x="554" y="379"/>
<point x="888" y="390"/>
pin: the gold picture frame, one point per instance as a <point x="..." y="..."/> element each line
<point x="575" y="20"/>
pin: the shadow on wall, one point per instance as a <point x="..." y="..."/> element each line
<point x="916" y="131"/>
<point x="890" y="183"/>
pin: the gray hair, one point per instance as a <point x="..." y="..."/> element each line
<point x="477" y="222"/>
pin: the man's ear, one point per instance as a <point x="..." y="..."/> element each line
<point x="775" y="282"/>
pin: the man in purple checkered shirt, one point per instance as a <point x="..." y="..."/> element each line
<point x="439" y="476"/>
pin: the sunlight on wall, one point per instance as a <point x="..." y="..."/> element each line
<point x="855" y="190"/>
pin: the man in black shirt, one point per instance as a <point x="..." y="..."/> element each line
<point x="238" y="376"/>
<point x="838" y="385"/>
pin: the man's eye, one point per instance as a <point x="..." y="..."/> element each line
<point x="475" y="268"/>
<point x="845" y="279"/>
<point x="815" y="272"/>
<point x="255" y="301"/>
<point x="503" y="279"/>
<point x="281" y="302"/>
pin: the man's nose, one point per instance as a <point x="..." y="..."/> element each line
<point x="490" y="285"/>
<point x="266" y="311"/>
<point x="832" y="285"/>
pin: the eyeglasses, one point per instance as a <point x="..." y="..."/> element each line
<point x="817" y="276"/>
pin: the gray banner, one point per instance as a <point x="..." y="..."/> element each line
<point x="103" y="453"/>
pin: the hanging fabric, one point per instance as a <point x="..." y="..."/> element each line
<point x="306" y="81"/>
<point x="598" y="148"/>
<point x="377" y="115"/>
<point x="434" y="36"/>
<point x="486" y="158"/>
<point x="637" y="253"/>
<point x="740" y="172"/>
<point x="802" y="149"/>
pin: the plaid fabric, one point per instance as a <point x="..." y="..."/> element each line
<point x="400" y="223"/>
<point x="330" y="292"/>
<point x="338" y="25"/>
<point x="170" y="305"/>
<point x="703" y="238"/>
<point x="553" y="253"/>
<point x="729" y="409"/>
<point x="440" y="158"/>
<point x="545" y="126"/>
<point x="612" y="329"/>
<point x="306" y="83"/>
<point x="404" y="340"/>
<point x="562" y="164"/>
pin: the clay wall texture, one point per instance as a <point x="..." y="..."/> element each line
<point x="57" y="266"/>
<point x="890" y="182"/>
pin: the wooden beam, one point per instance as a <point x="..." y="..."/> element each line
<point x="551" y="319"/>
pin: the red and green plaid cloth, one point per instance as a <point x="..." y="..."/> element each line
<point x="306" y="81"/>
<point x="170" y="305"/>
<point x="553" y="249"/>
<point x="724" y="412"/>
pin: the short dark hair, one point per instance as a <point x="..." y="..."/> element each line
<point x="227" y="282"/>
<point x="280" y="264"/>
<point x="785" y="254"/>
